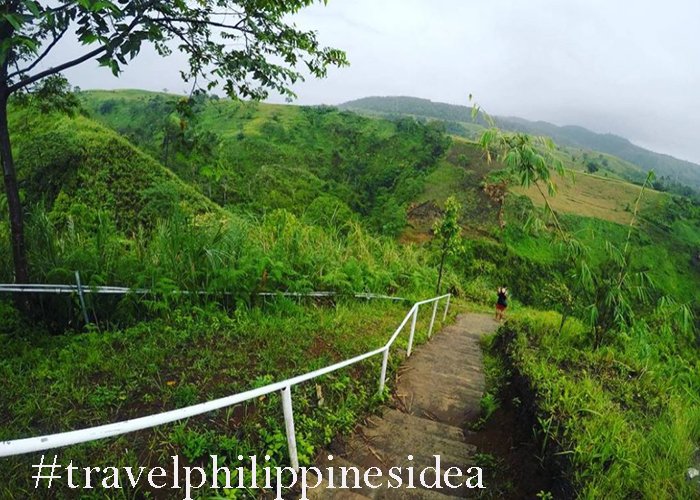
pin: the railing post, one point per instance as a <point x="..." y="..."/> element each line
<point x="447" y="306"/>
<point x="432" y="318"/>
<point x="289" y="426"/>
<point x="382" y="377"/>
<point x="81" y="297"/>
<point x="413" y="331"/>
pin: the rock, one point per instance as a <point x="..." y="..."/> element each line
<point x="693" y="476"/>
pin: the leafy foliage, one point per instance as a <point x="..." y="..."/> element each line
<point x="447" y="232"/>
<point x="208" y="32"/>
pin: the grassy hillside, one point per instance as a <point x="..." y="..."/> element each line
<point x="618" y="422"/>
<point x="98" y="204"/>
<point x="75" y="160"/>
<point x="599" y="197"/>
<point x="596" y="209"/>
<point x="621" y="156"/>
<point x="258" y="157"/>
<point x="236" y="198"/>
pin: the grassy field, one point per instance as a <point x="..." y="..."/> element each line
<point x="579" y="193"/>
<point x="589" y="195"/>
<point x="253" y="157"/>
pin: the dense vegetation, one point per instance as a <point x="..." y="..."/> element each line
<point x="622" y="421"/>
<point x="317" y="162"/>
<point x="236" y="198"/>
<point x="100" y="205"/>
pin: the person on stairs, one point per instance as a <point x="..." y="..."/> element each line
<point x="501" y="303"/>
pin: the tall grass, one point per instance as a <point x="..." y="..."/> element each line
<point x="627" y="415"/>
<point x="236" y="257"/>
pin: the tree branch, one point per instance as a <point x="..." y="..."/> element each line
<point x="57" y="69"/>
<point x="42" y="56"/>
<point x="69" y="64"/>
<point x="216" y="24"/>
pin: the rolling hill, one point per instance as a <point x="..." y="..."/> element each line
<point x="383" y="173"/>
<point x="459" y="120"/>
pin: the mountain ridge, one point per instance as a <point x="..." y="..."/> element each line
<point x="675" y="169"/>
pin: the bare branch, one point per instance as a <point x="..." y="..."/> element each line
<point x="236" y="26"/>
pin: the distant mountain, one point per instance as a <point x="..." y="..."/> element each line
<point x="681" y="171"/>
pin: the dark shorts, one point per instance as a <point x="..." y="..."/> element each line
<point x="500" y="307"/>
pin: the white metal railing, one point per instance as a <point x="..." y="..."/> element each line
<point x="122" y="290"/>
<point x="40" y="443"/>
<point x="82" y="290"/>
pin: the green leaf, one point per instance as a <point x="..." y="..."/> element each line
<point x="15" y="20"/>
<point x="32" y="7"/>
<point x="27" y="42"/>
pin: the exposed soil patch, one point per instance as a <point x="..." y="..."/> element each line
<point x="510" y="456"/>
<point x="426" y="210"/>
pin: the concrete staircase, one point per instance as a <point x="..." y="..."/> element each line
<point x="438" y="393"/>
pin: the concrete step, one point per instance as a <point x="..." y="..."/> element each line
<point x="424" y="425"/>
<point x="439" y="390"/>
<point x="426" y="366"/>
<point x="449" y="385"/>
<point x="397" y="439"/>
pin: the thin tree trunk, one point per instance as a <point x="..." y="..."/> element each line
<point x="19" y="251"/>
<point x="564" y="317"/>
<point x="442" y="264"/>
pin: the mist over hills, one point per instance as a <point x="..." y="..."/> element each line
<point x="459" y="120"/>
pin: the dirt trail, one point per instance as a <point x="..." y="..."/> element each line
<point x="438" y="393"/>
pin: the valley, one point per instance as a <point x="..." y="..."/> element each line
<point x="238" y="199"/>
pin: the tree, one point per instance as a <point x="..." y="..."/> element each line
<point x="447" y="231"/>
<point x="591" y="167"/>
<point x="246" y="46"/>
<point x="497" y="191"/>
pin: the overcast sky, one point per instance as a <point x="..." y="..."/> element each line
<point x="630" y="67"/>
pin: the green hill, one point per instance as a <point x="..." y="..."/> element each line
<point x="258" y="157"/>
<point x="595" y="208"/>
<point x="68" y="161"/>
<point x="322" y="163"/>
<point x="98" y="203"/>
<point x="681" y="171"/>
<point x="459" y="120"/>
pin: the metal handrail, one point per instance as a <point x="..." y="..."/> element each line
<point x="123" y="290"/>
<point x="81" y="290"/>
<point x="41" y="443"/>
